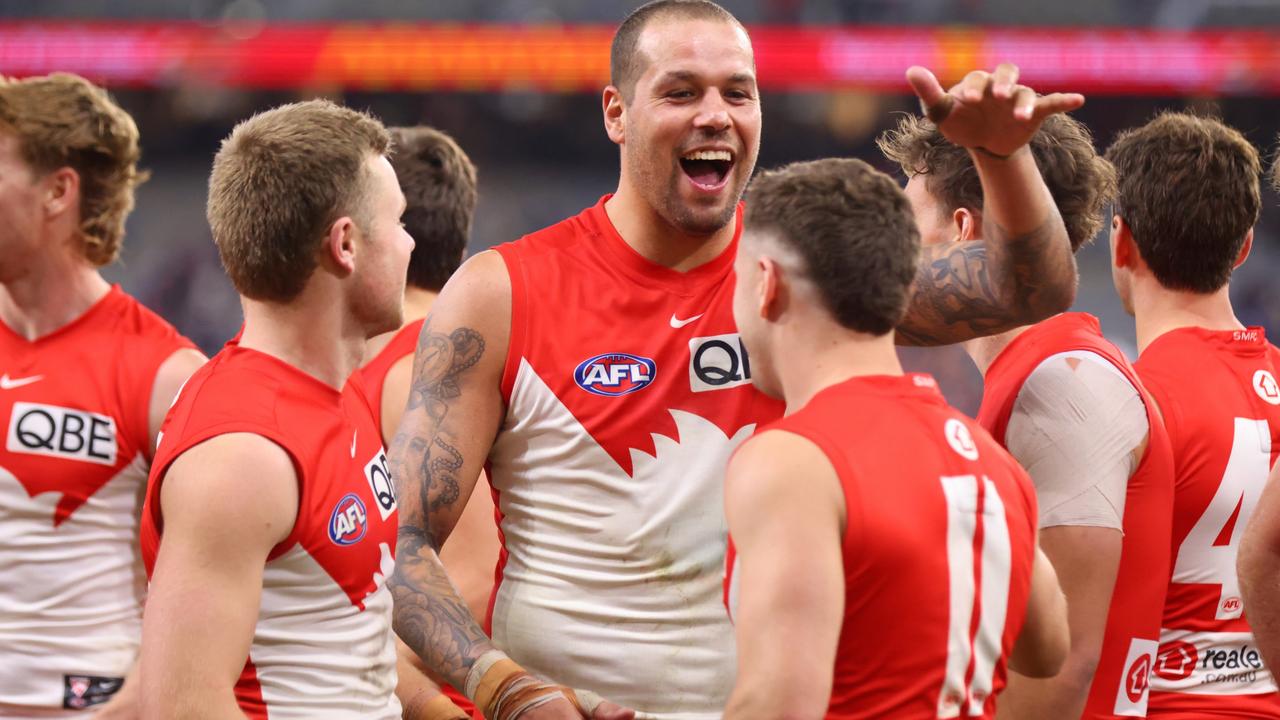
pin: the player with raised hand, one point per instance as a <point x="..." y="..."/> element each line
<point x="86" y="375"/>
<point x="1173" y="246"/>
<point x="595" y="367"/>
<point x="886" y="561"/>
<point x="1103" y="469"/>
<point x="270" y="520"/>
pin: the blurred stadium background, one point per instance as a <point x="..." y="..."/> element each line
<point x="517" y="83"/>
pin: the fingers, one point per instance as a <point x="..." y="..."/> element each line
<point x="1004" y="80"/>
<point x="1056" y="103"/>
<point x="934" y="101"/>
<point x="1024" y="102"/>
<point x="606" y="710"/>
<point x="974" y="86"/>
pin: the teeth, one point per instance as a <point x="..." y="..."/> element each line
<point x="709" y="155"/>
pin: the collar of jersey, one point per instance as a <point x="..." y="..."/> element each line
<point x="648" y="273"/>
<point x="101" y="305"/>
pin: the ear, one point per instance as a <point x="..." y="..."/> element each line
<point x="968" y="224"/>
<point x="769" y="290"/>
<point x="340" y="246"/>
<point x="1124" y="253"/>
<point x="615" y="111"/>
<point x="1244" y="251"/>
<point x="61" y="192"/>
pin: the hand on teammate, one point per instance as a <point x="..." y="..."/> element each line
<point x="561" y="709"/>
<point x="988" y="111"/>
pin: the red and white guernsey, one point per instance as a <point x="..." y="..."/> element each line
<point x="1121" y="682"/>
<point x="1217" y="391"/>
<point x="323" y="645"/>
<point x="373" y="374"/>
<point x="938" y="547"/>
<point x="75" y="406"/>
<point x="626" y="387"/>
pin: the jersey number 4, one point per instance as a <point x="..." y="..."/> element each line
<point x="974" y="507"/>
<point x="1205" y="556"/>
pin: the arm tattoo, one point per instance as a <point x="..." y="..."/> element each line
<point x="429" y="614"/>
<point x="971" y="289"/>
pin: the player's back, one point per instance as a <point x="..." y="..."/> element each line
<point x="322" y="643"/>
<point x="1218" y="394"/>
<point x="938" y="549"/>
<point x="75" y="404"/>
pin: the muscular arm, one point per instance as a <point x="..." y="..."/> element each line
<point x="1020" y="272"/>
<point x="452" y="416"/>
<point x="1042" y="646"/>
<point x="1259" y="567"/>
<point x="786" y="514"/>
<point x="226" y="503"/>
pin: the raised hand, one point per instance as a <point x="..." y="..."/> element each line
<point x="987" y="112"/>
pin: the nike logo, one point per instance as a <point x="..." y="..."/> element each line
<point x="354" y="435"/>
<point x="677" y="323"/>
<point x="8" y="383"/>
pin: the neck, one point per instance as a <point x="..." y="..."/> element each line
<point x="648" y="233"/>
<point x="312" y="333"/>
<point x="1159" y="310"/>
<point x="985" y="350"/>
<point x="417" y="302"/>
<point x="828" y="355"/>
<point x="55" y="288"/>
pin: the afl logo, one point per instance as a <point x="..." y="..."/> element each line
<point x="348" y="523"/>
<point x="614" y="374"/>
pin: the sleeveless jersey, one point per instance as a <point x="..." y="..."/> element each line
<point x="322" y="645"/>
<point x="373" y="375"/>
<point x="626" y="388"/>
<point x="938" y="547"/>
<point x="1217" y="391"/>
<point x="75" y="406"/>
<point x="1122" y="678"/>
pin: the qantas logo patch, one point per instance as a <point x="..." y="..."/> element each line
<point x="614" y="374"/>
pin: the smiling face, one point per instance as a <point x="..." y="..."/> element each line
<point x="691" y="129"/>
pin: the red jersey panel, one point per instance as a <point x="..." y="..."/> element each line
<point x="323" y="642"/>
<point x="75" y="406"/>
<point x="374" y="373"/>
<point x="1121" y="681"/>
<point x="627" y="387"/>
<point x="938" y="548"/>
<point x="1217" y="391"/>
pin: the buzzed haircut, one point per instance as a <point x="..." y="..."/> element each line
<point x="853" y="229"/>
<point x="625" y="63"/>
<point x="1080" y="181"/>
<point x="439" y="184"/>
<point x="279" y="181"/>
<point x="62" y="120"/>
<point x="1190" y="190"/>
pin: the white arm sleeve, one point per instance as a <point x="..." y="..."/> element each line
<point x="1076" y="426"/>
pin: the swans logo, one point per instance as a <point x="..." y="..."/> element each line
<point x="348" y="523"/>
<point x="614" y="374"/>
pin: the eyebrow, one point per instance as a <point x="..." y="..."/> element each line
<point x="687" y="75"/>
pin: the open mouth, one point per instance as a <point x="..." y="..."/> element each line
<point x="707" y="169"/>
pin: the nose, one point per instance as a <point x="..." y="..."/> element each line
<point x="713" y="114"/>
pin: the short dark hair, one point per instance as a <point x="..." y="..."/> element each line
<point x="1275" y="172"/>
<point x="1081" y="182"/>
<point x="439" y="184"/>
<point x="852" y="226"/>
<point x="278" y="182"/>
<point x="1189" y="192"/>
<point x="624" y="61"/>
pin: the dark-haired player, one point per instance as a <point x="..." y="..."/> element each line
<point x="1173" y="246"/>
<point x="596" y="367"/>
<point x="886" y="561"/>
<point x="1069" y="407"/>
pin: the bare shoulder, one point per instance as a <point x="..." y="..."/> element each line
<point x="239" y="487"/>
<point x="779" y="462"/>
<point x="170" y="377"/>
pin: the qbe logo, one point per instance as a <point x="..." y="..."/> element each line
<point x="62" y="432"/>
<point x="718" y="362"/>
<point x="614" y="374"/>
<point x="384" y="491"/>
<point x="348" y="522"/>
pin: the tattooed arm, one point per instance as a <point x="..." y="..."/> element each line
<point x="452" y="416"/>
<point x="1021" y="270"/>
